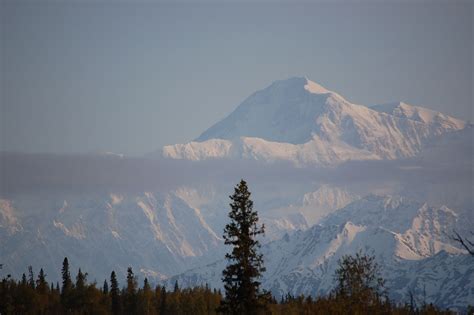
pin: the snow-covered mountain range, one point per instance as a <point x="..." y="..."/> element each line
<point x="411" y="241"/>
<point x="394" y="180"/>
<point x="164" y="234"/>
<point x="157" y="233"/>
<point x="300" y="121"/>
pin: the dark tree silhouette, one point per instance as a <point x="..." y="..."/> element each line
<point x="81" y="280"/>
<point x="31" y="277"/>
<point x="245" y="264"/>
<point x="131" y="293"/>
<point x="114" y="293"/>
<point x="66" y="276"/>
<point x="105" y="288"/>
<point x="359" y="282"/>
<point x="19" y="297"/>
<point x="66" y="290"/>
<point x="41" y="283"/>
<point x="163" y="302"/>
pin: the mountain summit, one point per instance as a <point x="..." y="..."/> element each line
<point x="282" y="112"/>
<point x="300" y="121"/>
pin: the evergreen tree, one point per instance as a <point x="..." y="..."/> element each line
<point x="114" y="293"/>
<point x="163" y="302"/>
<point x="145" y="299"/>
<point x="105" y="287"/>
<point x="131" y="282"/>
<point x="41" y="284"/>
<point x="23" y="280"/>
<point x="31" y="277"/>
<point x="245" y="264"/>
<point x="359" y="281"/>
<point x="81" y="279"/>
<point x="80" y="293"/>
<point x="146" y="285"/>
<point x="42" y="289"/>
<point x="131" y="292"/>
<point x="66" y="276"/>
<point x="66" y="291"/>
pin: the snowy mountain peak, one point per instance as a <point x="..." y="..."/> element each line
<point x="300" y="121"/>
<point x="297" y="85"/>
<point x="315" y="88"/>
<point x="420" y="114"/>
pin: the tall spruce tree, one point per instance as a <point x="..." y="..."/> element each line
<point x="145" y="301"/>
<point x="114" y="294"/>
<point x="105" y="287"/>
<point x="66" y="291"/>
<point x="31" y="277"/>
<point x="81" y="280"/>
<point x="245" y="264"/>
<point x="41" y="284"/>
<point x="66" y="276"/>
<point x="130" y="292"/>
<point x="80" y="293"/>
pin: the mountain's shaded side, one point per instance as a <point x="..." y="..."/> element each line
<point x="300" y="121"/>
<point x="156" y="233"/>
<point x="410" y="240"/>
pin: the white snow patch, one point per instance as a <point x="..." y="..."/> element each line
<point x="8" y="219"/>
<point x="64" y="207"/>
<point x="116" y="199"/>
<point x="315" y="88"/>
<point x="210" y="149"/>
<point x="77" y="231"/>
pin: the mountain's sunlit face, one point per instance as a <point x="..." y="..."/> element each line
<point x="126" y="78"/>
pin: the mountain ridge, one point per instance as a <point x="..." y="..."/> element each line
<point x="300" y="121"/>
<point x="304" y="262"/>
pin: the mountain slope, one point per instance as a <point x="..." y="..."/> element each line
<point x="406" y="236"/>
<point x="300" y="121"/>
<point x="282" y="112"/>
<point x="439" y="121"/>
<point x="155" y="233"/>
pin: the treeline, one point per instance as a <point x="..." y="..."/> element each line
<point x="35" y="295"/>
<point x="341" y="305"/>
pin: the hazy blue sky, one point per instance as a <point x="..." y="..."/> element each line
<point x="129" y="78"/>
